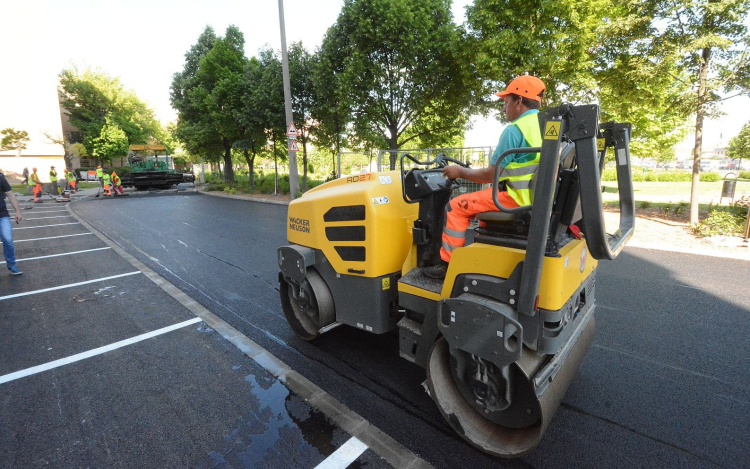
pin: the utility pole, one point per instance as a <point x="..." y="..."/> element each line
<point x="293" y="177"/>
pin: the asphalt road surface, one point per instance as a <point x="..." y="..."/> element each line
<point x="665" y="384"/>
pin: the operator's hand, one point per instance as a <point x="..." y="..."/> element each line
<point x="18" y="217"/>
<point x="453" y="171"/>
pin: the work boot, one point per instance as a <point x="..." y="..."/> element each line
<point x="436" y="271"/>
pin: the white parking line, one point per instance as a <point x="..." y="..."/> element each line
<point x="44" y="290"/>
<point x="35" y="212"/>
<point x="58" y="255"/>
<point x="345" y="455"/>
<point x="45" y="218"/>
<point x="51" y="237"/>
<point x="46" y="226"/>
<point x="92" y="353"/>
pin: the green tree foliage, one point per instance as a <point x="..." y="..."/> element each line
<point x="400" y="70"/>
<point x="587" y="51"/>
<point x="95" y="100"/>
<point x="739" y="146"/>
<point x="111" y="142"/>
<point x="208" y="96"/>
<point x="193" y="128"/>
<point x="13" y="140"/>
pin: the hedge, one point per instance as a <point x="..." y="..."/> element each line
<point x="610" y="174"/>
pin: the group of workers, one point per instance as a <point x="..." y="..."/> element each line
<point x="112" y="182"/>
<point x="108" y="181"/>
<point x="36" y="184"/>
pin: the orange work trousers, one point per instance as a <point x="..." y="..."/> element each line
<point x="37" y="192"/>
<point x="459" y="212"/>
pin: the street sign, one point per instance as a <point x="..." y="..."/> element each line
<point x="291" y="131"/>
<point x="293" y="146"/>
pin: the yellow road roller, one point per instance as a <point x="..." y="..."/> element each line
<point x="503" y="335"/>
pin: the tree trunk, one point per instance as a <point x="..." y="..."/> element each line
<point x="393" y="145"/>
<point x="250" y="167"/>
<point x="228" y="168"/>
<point x="698" y="149"/>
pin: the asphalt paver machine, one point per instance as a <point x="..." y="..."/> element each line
<point x="503" y="335"/>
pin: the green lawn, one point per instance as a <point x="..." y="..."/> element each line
<point x="710" y="192"/>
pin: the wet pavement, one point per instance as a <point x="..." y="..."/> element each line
<point x="104" y="364"/>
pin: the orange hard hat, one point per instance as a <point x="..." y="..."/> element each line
<point x="33" y="169"/>
<point x="99" y="166"/>
<point x="113" y="172"/>
<point x="525" y="86"/>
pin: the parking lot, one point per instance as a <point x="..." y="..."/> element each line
<point x="105" y="363"/>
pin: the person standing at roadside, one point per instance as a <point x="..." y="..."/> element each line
<point x="37" y="183"/>
<point x="100" y="175"/>
<point x="53" y="180"/>
<point x="6" y="227"/>
<point x="25" y="176"/>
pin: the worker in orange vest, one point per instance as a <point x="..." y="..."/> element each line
<point x="71" y="177"/>
<point x="116" y="183"/>
<point x="37" y="183"/>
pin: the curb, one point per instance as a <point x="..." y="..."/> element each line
<point x="241" y="197"/>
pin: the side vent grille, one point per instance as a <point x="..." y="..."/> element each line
<point x="345" y="233"/>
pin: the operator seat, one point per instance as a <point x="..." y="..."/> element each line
<point x="512" y="229"/>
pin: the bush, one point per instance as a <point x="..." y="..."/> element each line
<point x="721" y="222"/>
<point x="710" y="177"/>
<point x="744" y="174"/>
<point x="674" y="176"/>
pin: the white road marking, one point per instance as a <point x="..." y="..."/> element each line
<point x="51" y="237"/>
<point x="46" y="226"/>
<point x="58" y="255"/>
<point x="92" y="353"/>
<point x="45" y="218"/>
<point x="345" y="455"/>
<point x="43" y="211"/>
<point x="44" y="290"/>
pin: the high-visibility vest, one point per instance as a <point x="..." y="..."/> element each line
<point x="105" y="177"/>
<point x="71" y="177"/>
<point x="116" y="180"/>
<point x="34" y="179"/>
<point x="518" y="176"/>
<point x="52" y="176"/>
<point x="99" y="173"/>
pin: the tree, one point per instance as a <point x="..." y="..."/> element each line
<point x="93" y="99"/>
<point x="14" y="140"/>
<point x="405" y="78"/>
<point x="712" y="44"/>
<point x="331" y="110"/>
<point x="210" y="93"/>
<point x="739" y="146"/>
<point x="251" y="117"/>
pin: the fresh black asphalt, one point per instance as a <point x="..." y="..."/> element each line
<point x="665" y="384"/>
<point x="185" y="398"/>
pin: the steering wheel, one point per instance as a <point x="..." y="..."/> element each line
<point x="442" y="161"/>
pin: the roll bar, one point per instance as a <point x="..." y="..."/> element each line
<point x="579" y="124"/>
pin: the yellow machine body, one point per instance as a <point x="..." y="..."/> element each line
<point x="561" y="276"/>
<point x="361" y="223"/>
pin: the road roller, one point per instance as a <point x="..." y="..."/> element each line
<point x="503" y="335"/>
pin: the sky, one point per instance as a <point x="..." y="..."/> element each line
<point x="144" y="42"/>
